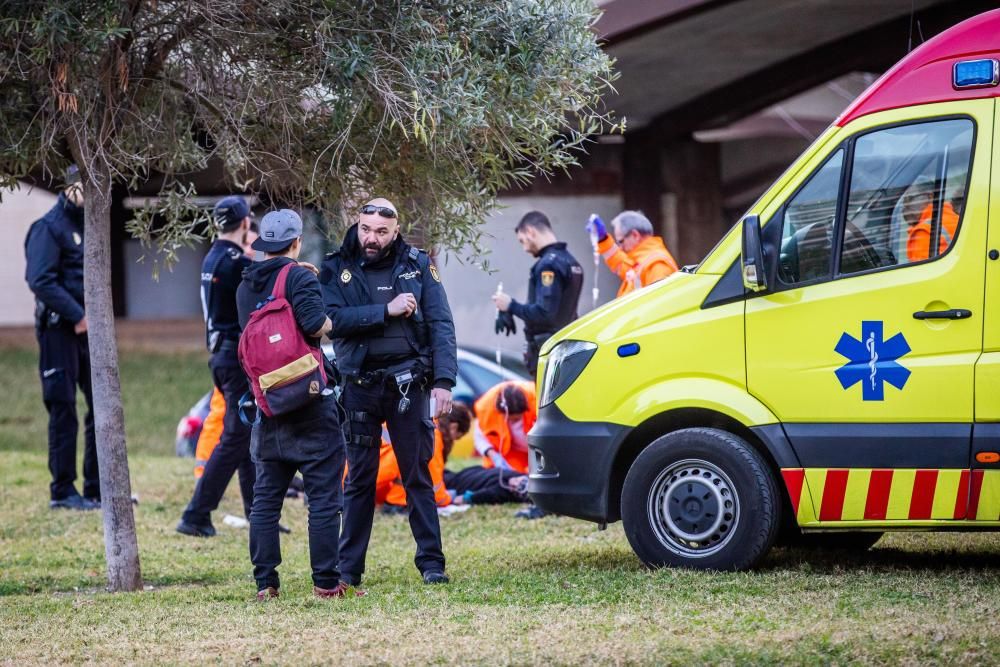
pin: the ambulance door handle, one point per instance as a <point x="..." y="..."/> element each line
<point x="953" y="314"/>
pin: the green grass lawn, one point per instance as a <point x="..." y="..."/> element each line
<point x="549" y="591"/>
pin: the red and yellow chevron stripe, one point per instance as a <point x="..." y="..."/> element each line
<point x="891" y="495"/>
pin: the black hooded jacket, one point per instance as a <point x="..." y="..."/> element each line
<point x="301" y="290"/>
<point x="357" y="317"/>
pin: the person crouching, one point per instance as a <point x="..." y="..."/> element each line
<point x="306" y="438"/>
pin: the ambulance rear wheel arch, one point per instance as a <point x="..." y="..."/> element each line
<point x="646" y="433"/>
<point x="701" y="498"/>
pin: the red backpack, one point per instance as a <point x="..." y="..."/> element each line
<point x="285" y="371"/>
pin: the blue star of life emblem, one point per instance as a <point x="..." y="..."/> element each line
<point x="872" y="361"/>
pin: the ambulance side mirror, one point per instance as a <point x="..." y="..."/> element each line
<point x="752" y="256"/>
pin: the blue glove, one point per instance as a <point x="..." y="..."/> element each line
<point x="498" y="460"/>
<point x="596" y="226"/>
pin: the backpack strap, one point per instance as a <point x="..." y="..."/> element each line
<point x="279" y="285"/>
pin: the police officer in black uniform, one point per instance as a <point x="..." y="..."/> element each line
<point x="54" y="250"/>
<point x="553" y="293"/>
<point x="394" y="339"/>
<point x="221" y="273"/>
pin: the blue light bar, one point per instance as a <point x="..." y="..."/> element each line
<point x="628" y="350"/>
<point x="976" y="73"/>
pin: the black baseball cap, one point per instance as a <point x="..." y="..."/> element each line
<point x="230" y="211"/>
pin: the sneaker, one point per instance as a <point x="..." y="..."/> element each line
<point x="268" y="593"/>
<point x="196" y="529"/>
<point x="435" y="577"/>
<point x="340" y="590"/>
<point x="282" y="528"/>
<point x="530" y="512"/>
<point x="96" y="501"/>
<point x="74" y="502"/>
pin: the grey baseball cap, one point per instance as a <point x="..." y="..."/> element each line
<point x="277" y="230"/>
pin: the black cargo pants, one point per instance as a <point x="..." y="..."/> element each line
<point x="64" y="363"/>
<point x="308" y="440"/>
<point x="412" y="435"/>
<point x="233" y="450"/>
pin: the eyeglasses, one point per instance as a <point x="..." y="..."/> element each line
<point x="384" y="211"/>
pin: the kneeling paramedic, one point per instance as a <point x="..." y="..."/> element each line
<point x="304" y="433"/>
<point x="395" y="344"/>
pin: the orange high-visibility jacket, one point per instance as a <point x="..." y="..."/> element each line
<point x="648" y="262"/>
<point x="918" y="242"/>
<point x="396" y="493"/>
<point x="492" y="423"/>
<point x="211" y="431"/>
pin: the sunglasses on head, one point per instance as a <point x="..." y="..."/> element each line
<point x="384" y="211"/>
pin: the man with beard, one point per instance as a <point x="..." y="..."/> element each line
<point x="394" y="339"/>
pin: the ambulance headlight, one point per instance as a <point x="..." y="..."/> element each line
<point x="566" y="361"/>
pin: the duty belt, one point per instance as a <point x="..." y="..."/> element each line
<point x="385" y="375"/>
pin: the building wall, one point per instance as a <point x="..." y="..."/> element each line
<point x="17" y="211"/>
<point x="172" y="293"/>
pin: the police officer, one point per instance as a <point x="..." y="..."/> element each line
<point x="553" y="290"/>
<point x="394" y="339"/>
<point x="54" y="250"/>
<point x="221" y="273"/>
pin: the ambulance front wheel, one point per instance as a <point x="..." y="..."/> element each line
<point x="700" y="498"/>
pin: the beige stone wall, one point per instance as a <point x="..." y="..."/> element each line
<point x="17" y="211"/>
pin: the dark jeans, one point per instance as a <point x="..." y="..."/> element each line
<point x="233" y="450"/>
<point x="412" y="435"/>
<point x="488" y="486"/>
<point x="310" y="441"/>
<point x="64" y="363"/>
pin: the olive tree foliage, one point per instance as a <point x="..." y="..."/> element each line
<point x="436" y="104"/>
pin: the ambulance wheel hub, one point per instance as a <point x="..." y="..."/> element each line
<point x="693" y="508"/>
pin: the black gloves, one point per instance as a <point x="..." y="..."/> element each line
<point x="505" y="323"/>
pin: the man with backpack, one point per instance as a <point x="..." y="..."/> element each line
<point x="282" y="318"/>
<point x="395" y="343"/>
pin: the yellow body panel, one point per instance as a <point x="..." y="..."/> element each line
<point x="791" y="335"/>
<point x="772" y="359"/>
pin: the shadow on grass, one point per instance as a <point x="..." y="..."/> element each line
<point x="882" y="559"/>
<point x="50" y="586"/>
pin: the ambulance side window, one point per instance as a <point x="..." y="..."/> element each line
<point x="907" y="187"/>
<point x="807" y="226"/>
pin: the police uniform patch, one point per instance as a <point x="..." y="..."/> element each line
<point x="345" y="277"/>
<point x="76" y="238"/>
<point x="547" y="278"/>
<point x="435" y="274"/>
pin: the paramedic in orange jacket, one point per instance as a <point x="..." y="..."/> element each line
<point x="918" y="242"/>
<point x="211" y="431"/>
<point x="631" y="251"/>
<point x="504" y="415"/>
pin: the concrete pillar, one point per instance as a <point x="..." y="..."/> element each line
<point x="693" y="205"/>
<point x="642" y="181"/>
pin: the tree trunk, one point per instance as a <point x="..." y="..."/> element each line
<point x="121" y="549"/>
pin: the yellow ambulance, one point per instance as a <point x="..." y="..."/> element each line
<point x="832" y="366"/>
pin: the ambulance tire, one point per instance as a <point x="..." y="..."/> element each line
<point x="726" y="505"/>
